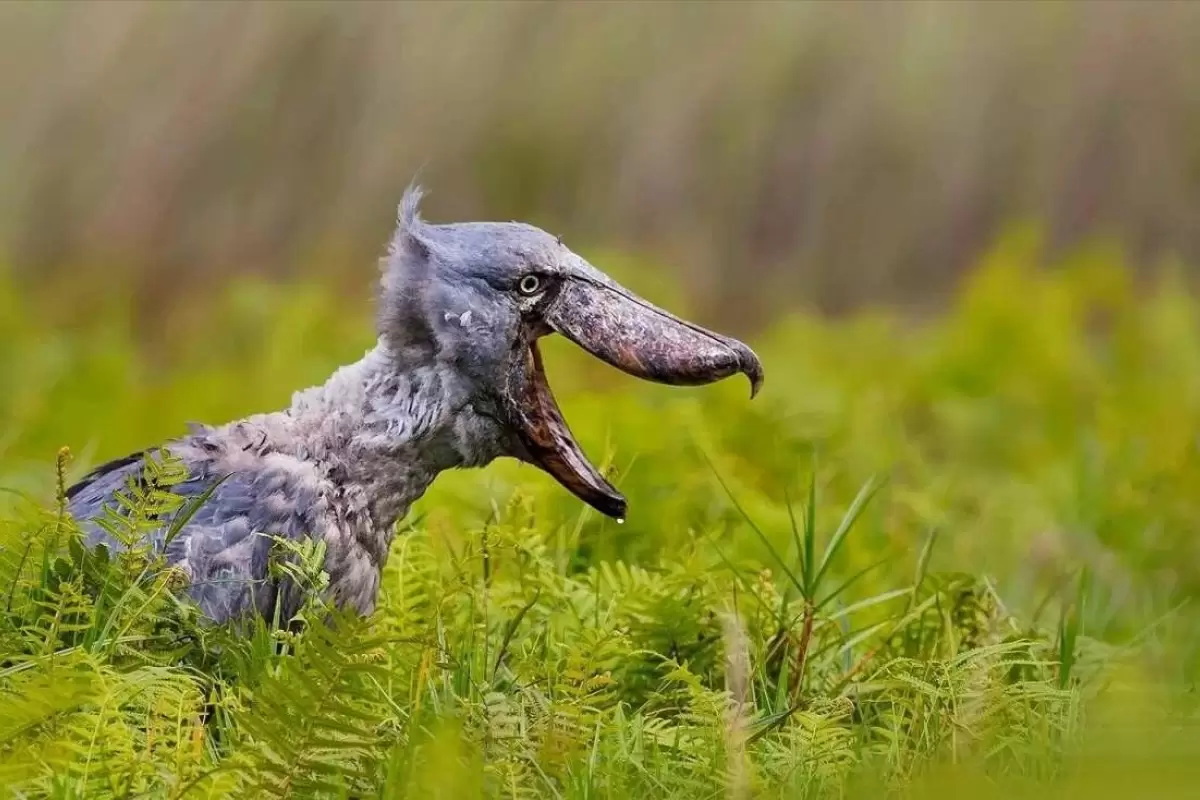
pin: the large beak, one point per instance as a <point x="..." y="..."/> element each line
<point x="632" y="335"/>
<point x="645" y="341"/>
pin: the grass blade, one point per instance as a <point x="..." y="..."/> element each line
<point x="754" y="526"/>
<point x="856" y="509"/>
<point x="851" y="581"/>
<point x="810" y="535"/>
<point x="188" y="511"/>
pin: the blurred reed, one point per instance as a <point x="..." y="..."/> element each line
<point x="773" y="153"/>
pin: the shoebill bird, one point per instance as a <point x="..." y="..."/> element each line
<point x="455" y="380"/>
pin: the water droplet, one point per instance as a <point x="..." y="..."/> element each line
<point x="620" y="520"/>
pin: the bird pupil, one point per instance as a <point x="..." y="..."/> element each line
<point x="529" y="284"/>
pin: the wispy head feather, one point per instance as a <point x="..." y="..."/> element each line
<point x="402" y="312"/>
<point x="409" y="215"/>
<point x="408" y="224"/>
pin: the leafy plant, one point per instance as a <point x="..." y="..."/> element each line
<point x="1011" y="613"/>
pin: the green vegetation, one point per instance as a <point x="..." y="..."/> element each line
<point x="835" y="152"/>
<point x="937" y="558"/>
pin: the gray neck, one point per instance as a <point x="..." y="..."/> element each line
<point x="384" y="430"/>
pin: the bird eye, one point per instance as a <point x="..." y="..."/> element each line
<point x="529" y="285"/>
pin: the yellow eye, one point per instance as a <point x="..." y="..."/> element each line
<point x="529" y="285"/>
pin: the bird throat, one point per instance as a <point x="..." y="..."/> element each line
<point x="385" y="433"/>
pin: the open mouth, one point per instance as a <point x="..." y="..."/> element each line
<point x="632" y="335"/>
<point x="552" y="446"/>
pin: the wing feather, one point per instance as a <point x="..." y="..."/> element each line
<point x="225" y="545"/>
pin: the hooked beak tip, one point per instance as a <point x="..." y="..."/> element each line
<point x="751" y="367"/>
<point x="756" y="382"/>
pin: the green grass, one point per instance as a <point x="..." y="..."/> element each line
<point x="935" y="558"/>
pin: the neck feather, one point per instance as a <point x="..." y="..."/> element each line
<point x="384" y="430"/>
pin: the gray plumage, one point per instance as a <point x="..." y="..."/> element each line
<point x="446" y="386"/>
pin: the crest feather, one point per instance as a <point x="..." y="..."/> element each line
<point x="408" y="223"/>
<point x="409" y="214"/>
<point x="403" y="320"/>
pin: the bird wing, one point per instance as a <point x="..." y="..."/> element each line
<point x="104" y="480"/>
<point x="224" y="545"/>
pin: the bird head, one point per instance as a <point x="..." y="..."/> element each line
<point x="477" y="296"/>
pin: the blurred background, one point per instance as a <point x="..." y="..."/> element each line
<point x="194" y="197"/>
<point x="768" y="154"/>
<point x="961" y="235"/>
